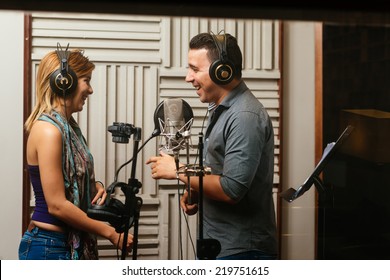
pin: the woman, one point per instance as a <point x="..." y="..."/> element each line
<point x="61" y="166"/>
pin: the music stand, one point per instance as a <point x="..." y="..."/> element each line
<point x="291" y="194"/>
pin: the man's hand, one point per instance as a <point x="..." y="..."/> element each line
<point x="162" y="167"/>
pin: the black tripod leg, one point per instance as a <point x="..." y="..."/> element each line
<point x="136" y="225"/>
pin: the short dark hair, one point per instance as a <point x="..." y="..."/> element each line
<point x="206" y="41"/>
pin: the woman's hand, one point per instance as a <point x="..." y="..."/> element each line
<point x="101" y="194"/>
<point x="118" y="241"/>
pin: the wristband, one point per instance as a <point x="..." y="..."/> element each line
<point x="99" y="182"/>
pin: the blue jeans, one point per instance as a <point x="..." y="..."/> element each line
<point x="39" y="244"/>
<point x="250" y="255"/>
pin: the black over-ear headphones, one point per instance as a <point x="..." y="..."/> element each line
<point x="222" y="71"/>
<point x="63" y="81"/>
<point x="113" y="211"/>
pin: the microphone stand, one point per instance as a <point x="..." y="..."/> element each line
<point x="123" y="217"/>
<point x="207" y="249"/>
<point x="189" y="199"/>
<point x="132" y="203"/>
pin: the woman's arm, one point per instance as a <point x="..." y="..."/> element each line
<point x="48" y="143"/>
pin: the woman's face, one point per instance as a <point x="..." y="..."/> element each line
<point x="82" y="92"/>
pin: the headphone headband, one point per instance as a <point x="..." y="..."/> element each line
<point x="222" y="71"/>
<point x="63" y="81"/>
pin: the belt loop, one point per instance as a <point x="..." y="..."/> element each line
<point x="30" y="227"/>
<point x="34" y="230"/>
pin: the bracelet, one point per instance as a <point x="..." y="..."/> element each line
<point x="100" y="182"/>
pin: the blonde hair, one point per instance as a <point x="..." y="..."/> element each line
<point x="45" y="97"/>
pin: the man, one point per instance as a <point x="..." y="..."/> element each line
<point x="239" y="148"/>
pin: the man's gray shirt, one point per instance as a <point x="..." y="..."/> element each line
<point x="239" y="146"/>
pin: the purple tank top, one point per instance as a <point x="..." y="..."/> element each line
<point x="41" y="213"/>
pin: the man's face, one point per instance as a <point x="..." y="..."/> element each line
<point x="198" y="75"/>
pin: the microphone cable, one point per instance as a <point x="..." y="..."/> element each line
<point x="201" y="130"/>
<point x="155" y="133"/>
<point x="117" y="247"/>
<point x="188" y="227"/>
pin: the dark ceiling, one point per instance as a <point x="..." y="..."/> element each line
<point x="349" y="12"/>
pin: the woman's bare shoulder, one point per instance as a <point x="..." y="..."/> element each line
<point x="45" y="131"/>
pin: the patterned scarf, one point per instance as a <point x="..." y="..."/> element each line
<point x="79" y="179"/>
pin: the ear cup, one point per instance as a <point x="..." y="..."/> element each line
<point x="117" y="206"/>
<point x="113" y="213"/>
<point x="63" y="84"/>
<point x="113" y="210"/>
<point x="63" y="81"/>
<point x="221" y="71"/>
<point x="105" y="213"/>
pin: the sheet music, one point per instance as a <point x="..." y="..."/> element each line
<point x="291" y="194"/>
<point x="327" y="149"/>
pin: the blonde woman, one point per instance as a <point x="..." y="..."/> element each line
<point x="61" y="166"/>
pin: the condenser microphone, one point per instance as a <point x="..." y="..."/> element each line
<point x="173" y="118"/>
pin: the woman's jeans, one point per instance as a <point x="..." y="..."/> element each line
<point x="250" y="255"/>
<point x="39" y="244"/>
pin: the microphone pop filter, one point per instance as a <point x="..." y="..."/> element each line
<point x="159" y="113"/>
<point x="173" y="119"/>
